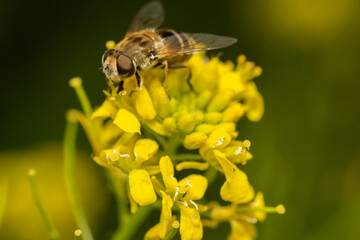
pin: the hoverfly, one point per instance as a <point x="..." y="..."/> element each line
<point x="146" y="47"/>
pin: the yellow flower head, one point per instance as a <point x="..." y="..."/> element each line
<point x="190" y="122"/>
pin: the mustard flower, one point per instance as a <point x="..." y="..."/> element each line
<point x="147" y="136"/>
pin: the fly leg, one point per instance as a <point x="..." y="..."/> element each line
<point x="138" y="84"/>
<point x="121" y="88"/>
<point x="166" y="67"/>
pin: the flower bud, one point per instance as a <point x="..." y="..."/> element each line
<point x="195" y="140"/>
<point x="212" y="117"/>
<point x="186" y="123"/>
<point x="220" y="101"/>
<point x="233" y="113"/>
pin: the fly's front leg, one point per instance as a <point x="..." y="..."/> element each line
<point x="121" y="88"/>
<point x="138" y="84"/>
<point x="166" y="66"/>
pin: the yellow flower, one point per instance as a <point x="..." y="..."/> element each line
<point x="183" y="193"/>
<point x="236" y="189"/>
<point x="190" y="224"/>
<point x="242" y="230"/>
<point x="222" y="94"/>
<point x="141" y="130"/>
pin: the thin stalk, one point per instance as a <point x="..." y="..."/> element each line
<point x="119" y="188"/>
<point x="50" y="227"/>
<point x="171" y="234"/>
<point x="211" y="175"/>
<point x="69" y="175"/>
<point x="3" y="197"/>
<point x="129" y="228"/>
<point x="76" y="83"/>
<point x="186" y="157"/>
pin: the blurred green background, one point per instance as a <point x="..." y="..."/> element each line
<point x="306" y="147"/>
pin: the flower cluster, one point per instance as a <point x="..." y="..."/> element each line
<point x="190" y="124"/>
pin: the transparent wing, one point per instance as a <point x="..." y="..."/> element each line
<point x="188" y="43"/>
<point x="151" y="15"/>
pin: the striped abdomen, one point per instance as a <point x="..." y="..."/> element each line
<point x="176" y="41"/>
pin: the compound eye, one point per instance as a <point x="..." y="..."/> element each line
<point x="125" y="66"/>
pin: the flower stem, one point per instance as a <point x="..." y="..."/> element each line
<point x="129" y="228"/>
<point x="211" y="175"/>
<point x="69" y="175"/>
<point x="76" y="83"/>
<point x="171" y="234"/>
<point x="118" y="186"/>
<point x="92" y="130"/>
<point x="186" y="157"/>
<point x="53" y="233"/>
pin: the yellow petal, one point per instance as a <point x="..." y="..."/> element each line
<point x="167" y="172"/>
<point x="127" y="121"/>
<point x="190" y="224"/>
<point x="167" y="204"/>
<point x="255" y="107"/>
<point x="153" y="233"/>
<point x="236" y="187"/>
<point x="143" y="104"/>
<point x="242" y="230"/>
<point x="195" y="140"/>
<point x="192" y="165"/>
<point x="145" y="149"/>
<point x="166" y="214"/>
<point x="141" y="187"/>
<point x="195" y="186"/>
<point x="107" y="109"/>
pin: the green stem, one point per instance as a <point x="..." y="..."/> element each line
<point x="70" y="180"/>
<point x="257" y="209"/>
<point x="129" y="228"/>
<point x="119" y="188"/>
<point x="76" y="83"/>
<point x="3" y="197"/>
<point x="171" y="234"/>
<point x="211" y="175"/>
<point x="53" y="233"/>
<point x="186" y="157"/>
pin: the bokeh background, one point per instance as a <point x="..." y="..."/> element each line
<point x="306" y="147"/>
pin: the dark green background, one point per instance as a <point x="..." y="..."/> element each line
<point x="306" y="147"/>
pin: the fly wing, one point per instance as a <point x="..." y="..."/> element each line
<point x="189" y="43"/>
<point x="151" y="15"/>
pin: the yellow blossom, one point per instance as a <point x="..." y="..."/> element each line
<point x="190" y="224"/>
<point x="236" y="188"/>
<point x="141" y="187"/>
<point x="141" y="130"/>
